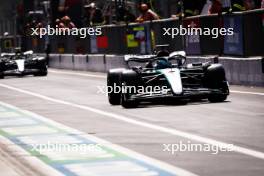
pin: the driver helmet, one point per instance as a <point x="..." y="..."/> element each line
<point x="18" y="51"/>
<point x="163" y="53"/>
<point x="162" y="64"/>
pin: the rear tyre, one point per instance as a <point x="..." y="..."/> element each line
<point x="2" y="75"/>
<point x="215" y="98"/>
<point x="42" y="71"/>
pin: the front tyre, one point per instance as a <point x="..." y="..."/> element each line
<point x="113" y="82"/>
<point x="130" y="80"/>
<point x="2" y="76"/>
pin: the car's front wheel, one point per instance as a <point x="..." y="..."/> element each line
<point x="2" y="76"/>
<point x="114" y="84"/>
<point x="130" y="80"/>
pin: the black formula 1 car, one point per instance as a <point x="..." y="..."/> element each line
<point x="164" y="76"/>
<point x="21" y="64"/>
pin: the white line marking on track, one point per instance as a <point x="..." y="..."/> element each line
<point x="159" y="164"/>
<point x="243" y="92"/>
<point x="170" y="131"/>
<point x="102" y="76"/>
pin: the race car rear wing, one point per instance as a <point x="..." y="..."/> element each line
<point x="175" y="53"/>
<point x="145" y="58"/>
<point x="139" y="58"/>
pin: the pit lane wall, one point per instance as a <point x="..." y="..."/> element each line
<point x="239" y="71"/>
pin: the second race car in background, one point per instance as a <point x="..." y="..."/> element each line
<point x="20" y="64"/>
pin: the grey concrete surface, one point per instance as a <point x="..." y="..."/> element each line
<point x="10" y="165"/>
<point x="6" y="169"/>
<point x="239" y="121"/>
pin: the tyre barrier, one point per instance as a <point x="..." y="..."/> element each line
<point x="239" y="71"/>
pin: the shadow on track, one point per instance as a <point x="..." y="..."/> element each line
<point x="177" y="103"/>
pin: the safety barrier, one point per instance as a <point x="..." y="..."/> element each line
<point x="141" y="38"/>
<point x="239" y="71"/>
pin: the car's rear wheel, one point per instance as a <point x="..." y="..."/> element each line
<point x="214" y="98"/>
<point x="2" y="76"/>
<point x="43" y="71"/>
<point x="217" y="98"/>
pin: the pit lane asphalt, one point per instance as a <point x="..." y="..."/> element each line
<point x="238" y="121"/>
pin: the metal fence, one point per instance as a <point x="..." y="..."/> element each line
<point x="7" y="26"/>
<point x="248" y="38"/>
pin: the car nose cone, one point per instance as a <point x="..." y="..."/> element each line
<point x="20" y="65"/>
